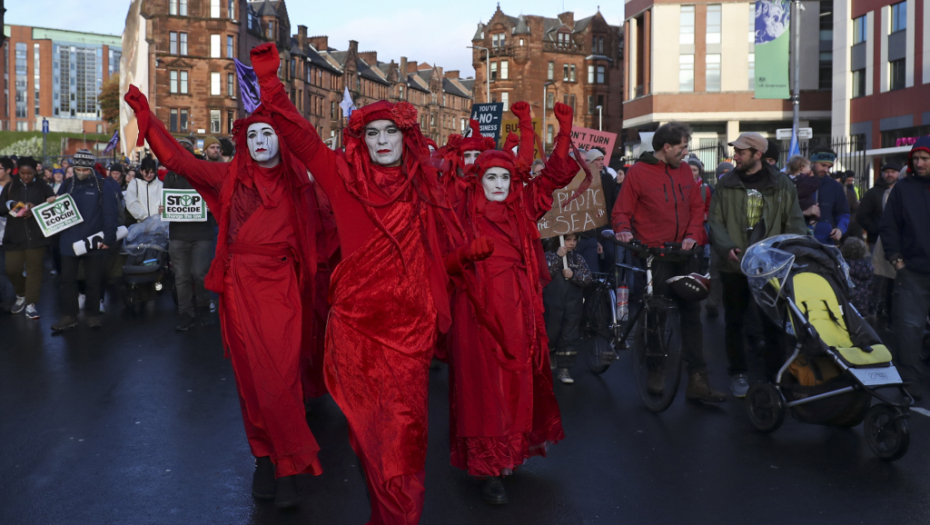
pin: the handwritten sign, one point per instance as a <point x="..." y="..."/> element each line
<point x="582" y="214"/>
<point x="57" y="216"/>
<point x="513" y="126"/>
<point x="586" y="138"/>
<point x="489" y="119"/>
<point x="182" y="206"/>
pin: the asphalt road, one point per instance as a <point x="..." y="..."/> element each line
<point x="137" y="424"/>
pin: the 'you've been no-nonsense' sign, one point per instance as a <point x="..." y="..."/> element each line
<point x="57" y="216"/>
<point x="183" y="206"/>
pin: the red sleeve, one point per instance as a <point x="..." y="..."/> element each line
<point x="625" y="205"/>
<point x="697" y="210"/>
<point x="558" y="173"/>
<point x="206" y="177"/>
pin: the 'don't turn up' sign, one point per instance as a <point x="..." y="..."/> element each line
<point x="182" y="206"/>
<point x="57" y="216"/>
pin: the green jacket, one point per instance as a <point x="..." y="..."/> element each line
<point x="728" y="225"/>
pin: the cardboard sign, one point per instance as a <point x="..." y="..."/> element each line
<point x="183" y="206"/>
<point x="55" y="217"/>
<point x="513" y="126"/>
<point x="489" y="119"/>
<point x="586" y="138"/>
<point x="582" y="214"/>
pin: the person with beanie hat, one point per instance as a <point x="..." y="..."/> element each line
<point x="143" y="194"/>
<point x="227" y="148"/>
<point x="212" y="149"/>
<point x="906" y="241"/>
<point x="833" y="205"/>
<point x="772" y="154"/>
<point x="723" y="168"/>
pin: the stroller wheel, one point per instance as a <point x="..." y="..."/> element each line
<point x="766" y="407"/>
<point x="886" y="432"/>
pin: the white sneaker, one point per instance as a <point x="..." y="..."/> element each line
<point x="18" y="305"/>
<point x="81" y="300"/>
<point x="31" y="312"/>
<point x="101" y="306"/>
<point x="739" y="384"/>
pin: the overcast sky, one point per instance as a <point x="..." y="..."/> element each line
<point x="435" y="34"/>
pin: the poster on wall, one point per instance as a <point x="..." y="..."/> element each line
<point x="772" y="48"/>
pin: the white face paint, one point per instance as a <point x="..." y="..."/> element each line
<point x="385" y="142"/>
<point x="263" y="144"/>
<point x="496" y="184"/>
<point x="471" y="156"/>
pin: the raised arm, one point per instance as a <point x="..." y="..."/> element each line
<point x="206" y="177"/>
<point x="560" y="169"/>
<point x="301" y="137"/>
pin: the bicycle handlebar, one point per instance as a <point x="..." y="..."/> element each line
<point x="641" y="250"/>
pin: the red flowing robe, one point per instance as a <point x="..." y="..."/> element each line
<point x="503" y="408"/>
<point x="388" y="305"/>
<point x="263" y="271"/>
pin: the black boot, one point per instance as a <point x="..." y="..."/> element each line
<point x="286" y="495"/>
<point x="493" y="492"/>
<point x="263" y="484"/>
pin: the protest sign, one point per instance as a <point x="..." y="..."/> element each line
<point x="54" y="217"/>
<point x="183" y="206"/>
<point x="582" y="214"/>
<point x="488" y="117"/>
<point x="586" y="138"/>
<point x="509" y="126"/>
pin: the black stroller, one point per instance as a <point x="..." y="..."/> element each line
<point x="838" y="363"/>
<point x="146" y="271"/>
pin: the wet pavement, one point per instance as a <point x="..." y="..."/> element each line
<point x="138" y="424"/>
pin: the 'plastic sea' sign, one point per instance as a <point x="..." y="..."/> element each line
<point x="183" y="206"/>
<point x="54" y="217"/>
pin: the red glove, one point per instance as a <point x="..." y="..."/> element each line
<point x="520" y="109"/>
<point x="479" y="249"/>
<point x="265" y="60"/>
<point x="563" y="113"/>
<point x="136" y="100"/>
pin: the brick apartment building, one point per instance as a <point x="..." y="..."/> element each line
<point x="189" y="73"/>
<point x="578" y="62"/>
<point x="55" y="75"/>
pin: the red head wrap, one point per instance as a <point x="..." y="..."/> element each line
<point x="476" y="142"/>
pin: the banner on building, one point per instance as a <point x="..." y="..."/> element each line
<point x="55" y="217"/>
<point x="489" y="118"/>
<point x="586" y="138"/>
<point x="772" y="48"/>
<point x="513" y="126"/>
<point x="582" y="214"/>
<point x="182" y="206"/>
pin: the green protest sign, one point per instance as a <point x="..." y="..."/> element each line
<point x="182" y="206"/>
<point x="772" y="46"/>
<point x="54" y="217"/>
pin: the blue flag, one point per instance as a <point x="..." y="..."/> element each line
<point x="114" y="140"/>
<point x="248" y="86"/>
<point x="347" y="105"/>
<point x="793" y="149"/>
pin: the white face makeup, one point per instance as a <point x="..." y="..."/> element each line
<point x="496" y="184"/>
<point x="385" y="142"/>
<point x="471" y="156"/>
<point x="263" y="144"/>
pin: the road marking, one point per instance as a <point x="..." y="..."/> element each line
<point x="922" y="411"/>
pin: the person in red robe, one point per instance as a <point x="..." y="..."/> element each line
<point x="388" y="297"/>
<point x="263" y="272"/>
<point x="503" y="409"/>
<point x="458" y="154"/>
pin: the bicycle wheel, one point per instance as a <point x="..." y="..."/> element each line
<point x="657" y="354"/>
<point x="598" y="353"/>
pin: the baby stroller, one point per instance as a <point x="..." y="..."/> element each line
<point x="838" y="364"/>
<point x="146" y="271"/>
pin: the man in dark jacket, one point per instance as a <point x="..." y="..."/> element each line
<point x="23" y="240"/>
<point x="872" y="203"/>
<point x="831" y="198"/>
<point x="906" y="242"/>
<point x="751" y="203"/>
<point x="659" y="203"/>
<point x="97" y="198"/>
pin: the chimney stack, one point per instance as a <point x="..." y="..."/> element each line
<point x="403" y="69"/>
<point x="452" y="74"/>
<point x="302" y="37"/>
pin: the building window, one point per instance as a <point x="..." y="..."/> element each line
<point x="184" y="120"/>
<point x="826" y="70"/>
<point x="825" y="80"/>
<point x="172" y="43"/>
<point x="183" y="82"/>
<point x="601" y="71"/>
<point x="590" y="104"/>
<point x="713" y="73"/>
<point x="896" y="78"/>
<point x="172" y="81"/>
<point x="215" y="118"/>
<point x="271" y="30"/>
<point x="499" y="40"/>
<point x="859" y="30"/>
<point x="214" y="8"/>
<point x="214" y="46"/>
<point x="549" y="133"/>
<point x="332" y="110"/>
<point x="230" y="48"/>
<point x="505" y="98"/>
<point x="597" y="45"/>
<point x="686" y="26"/>
<point x="571" y="73"/>
<point x="173" y="120"/>
<point x="293" y="67"/>
<point x="182" y="7"/>
<point x="686" y="73"/>
<point x="551" y="72"/>
<point x="113" y="62"/>
<point x="172" y="7"/>
<point x="550" y="100"/>
<point x="713" y="24"/>
<point x="505" y="67"/>
<point x="21" y="80"/>
<point x="752" y="71"/>
<point x="230" y="119"/>
<point x="899" y="17"/>
<point x="565" y="72"/>
<point x="858" y="83"/>
<point x="214" y="83"/>
<point x="35" y="76"/>
<point x="183" y="38"/>
<point x="493" y="71"/>
<point x="590" y="74"/>
<point x="231" y="9"/>
<point x="230" y="85"/>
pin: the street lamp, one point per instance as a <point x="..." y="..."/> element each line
<point x="545" y="106"/>
<point x="487" y="76"/>
<point x="600" y="118"/>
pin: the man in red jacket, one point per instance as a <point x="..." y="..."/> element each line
<point x="659" y="203"/>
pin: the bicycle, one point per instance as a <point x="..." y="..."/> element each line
<point x="656" y="329"/>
